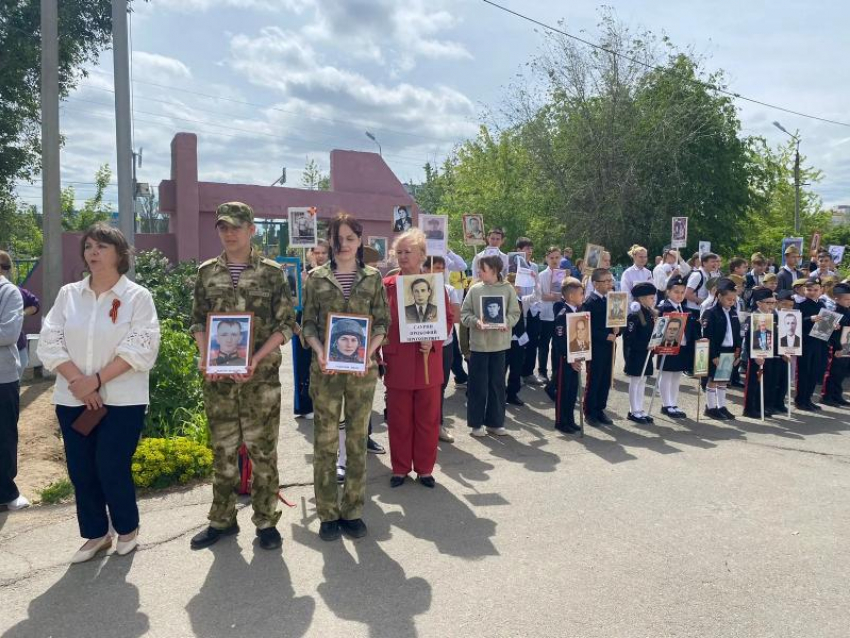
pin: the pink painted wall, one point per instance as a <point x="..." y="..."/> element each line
<point x="361" y="184"/>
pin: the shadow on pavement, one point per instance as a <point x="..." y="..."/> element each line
<point x="91" y="600"/>
<point x="242" y="599"/>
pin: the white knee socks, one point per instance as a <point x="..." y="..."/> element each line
<point x="711" y="396"/>
<point x="669" y="387"/>
<point x="637" y="385"/>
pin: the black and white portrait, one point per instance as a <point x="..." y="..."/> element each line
<point x="402" y="219"/>
<point x="493" y="311"/>
<point x="303" y="230"/>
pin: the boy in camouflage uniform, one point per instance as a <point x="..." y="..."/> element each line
<point x="243" y="407"/>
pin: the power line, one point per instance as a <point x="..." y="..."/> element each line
<point x="707" y="85"/>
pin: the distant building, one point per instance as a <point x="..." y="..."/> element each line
<point x="840" y="215"/>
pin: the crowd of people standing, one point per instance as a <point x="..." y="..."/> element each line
<point x="102" y="336"/>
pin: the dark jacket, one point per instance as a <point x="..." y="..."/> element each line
<point x="635" y="341"/>
<point x="714" y="329"/>
<point x="596" y="306"/>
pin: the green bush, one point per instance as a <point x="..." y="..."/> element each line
<point x="56" y="492"/>
<point x="172" y="286"/>
<point x="176" y="397"/>
<point x="159" y="463"/>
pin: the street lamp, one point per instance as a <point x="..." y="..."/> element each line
<point x="796" y="138"/>
<point x="374" y="139"/>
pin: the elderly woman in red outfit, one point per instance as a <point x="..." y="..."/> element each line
<point x="413" y="404"/>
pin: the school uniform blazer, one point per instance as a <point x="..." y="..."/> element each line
<point x="598" y="332"/>
<point x="786" y="278"/>
<point x="809" y="309"/>
<point x="635" y="341"/>
<point x="559" y="331"/>
<point x="714" y="329"/>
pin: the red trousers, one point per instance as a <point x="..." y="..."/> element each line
<point x="413" y="420"/>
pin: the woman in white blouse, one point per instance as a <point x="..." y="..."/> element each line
<point x="102" y="338"/>
<point x="636" y="273"/>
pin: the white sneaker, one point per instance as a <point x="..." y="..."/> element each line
<point x="497" y="431"/>
<point x="84" y="555"/>
<point x="340" y="474"/>
<point x="18" y="504"/>
<point x="478" y="432"/>
<point x="446" y="436"/>
<point x="309" y="416"/>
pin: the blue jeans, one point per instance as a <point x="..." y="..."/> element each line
<point x="99" y="468"/>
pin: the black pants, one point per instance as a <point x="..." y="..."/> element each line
<point x="566" y="380"/>
<point x="457" y="360"/>
<point x="811" y="366"/>
<point x="532" y="329"/>
<point x="10" y="401"/>
<point x="485" y="398"/>
<point x="303" y="357"/>
<point x="515" y="365"/>
<point x="99" y="468"/>
<point x="775" y="395"/>
<point x="752" y="386"/>
<point x="448" y="356"/>
<point x="547" y="328"/>
<point x="599" y="379"/>
<point x="832" y="388"/>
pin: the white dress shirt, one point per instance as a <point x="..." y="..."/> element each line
<point x="454" y="262"/>
<point x="547" y="308"/>
<point x="484" y="253"/>
<point x="728" y="340"/>
<point x="631" y="276"/>
<point x="662" y="272"/>
<point x="79" y="329"/>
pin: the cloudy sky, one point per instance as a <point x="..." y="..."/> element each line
<point x="271" y="83"/>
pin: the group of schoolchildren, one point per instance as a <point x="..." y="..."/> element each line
<point x="536" y="319"/>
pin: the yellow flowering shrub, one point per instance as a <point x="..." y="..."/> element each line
<point x="159" y="463"/>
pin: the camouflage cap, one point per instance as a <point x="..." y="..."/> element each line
<point x="792" y="250"/>
<point x="234" y="213"/>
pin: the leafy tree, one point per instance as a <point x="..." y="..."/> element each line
<point x="313" y="178"/>
<point x="20" y="228"/>
<point x="94" y="209"/>
<point x="85" y="28"/>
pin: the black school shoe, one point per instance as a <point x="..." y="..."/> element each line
<point x="567" y="428"/>
<point x="355" y="528"/>
<point x="603" y="419"/>
<point x="637" y="419"/>
<point x="714" y="413"/>
<point x="515" y="400"/>
<point x="374" y="447"/>
<point x="211" y="535"/>
<point x="726" y="414"/>
<point x="329" y="531"/>
<point x="269" y="538"/>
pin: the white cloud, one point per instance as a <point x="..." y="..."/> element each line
<point x="153" y="66"/>
<point x="191" y="6"/>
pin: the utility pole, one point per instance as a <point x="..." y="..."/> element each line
<point x="797" y="190"/>
<point x="125" y="160"/>
<point x="51" y="203"/>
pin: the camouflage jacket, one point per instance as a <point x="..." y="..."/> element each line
<point x="262" y="290"/>
<point x="323" y="296"/>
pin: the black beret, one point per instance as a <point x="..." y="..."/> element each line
<point x="675" y="280"/>
<point x="724" y="284"/>
<point x="760" y="294"/>
<point x="785" y="295"/>
<point x="643" y="289"/>
<point x="841" y="289"/>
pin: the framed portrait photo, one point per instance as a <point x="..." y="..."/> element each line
<point x="592" y="258"/>
<point x="291" y="267"/>
<point x="379" y="244"/>
<point x="578" y="337"/>
<point x="421" y="307"/>
<point x="230" y="337"/>
<point x="845" y="342"/>
<point x="658" y="331"/>
<point x="303" y="227"/>
<point x="791" y="241"/>
<point x="790" y="328"/>
<point x="674" y="332"/>
<point x="492" y="311"/>
<point x="436" y="229"/>
<point x="701" y="350"/>
<point x="704" y="248"/>
<point x="616" y="309"/>
<point x="824" y="328"/>
<point x="726" y="362"/>
<point x="558" y="276"/>
<point x="679" y="232"/>
<point x="814" y="245"/>
<point x="402" y="219"/>
<point x="837" y="253"/>
<point x="761" y="335"/>
<point x="473" y="230"/>
<point x="347" y="342"/>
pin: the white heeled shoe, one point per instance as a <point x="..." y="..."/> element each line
<point x="84" y="555"/>
<point x="125" y="547"/>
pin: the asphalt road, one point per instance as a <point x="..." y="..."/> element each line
<point x="677" y="529"/>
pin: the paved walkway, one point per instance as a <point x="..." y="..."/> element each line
<point x="677" y="529"/>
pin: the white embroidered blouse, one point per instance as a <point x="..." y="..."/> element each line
<point x="80" y="328"/>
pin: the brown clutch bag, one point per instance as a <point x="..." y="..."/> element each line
<point x="88" y="420"/>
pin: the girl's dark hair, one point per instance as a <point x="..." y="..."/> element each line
<point x="494" y="263"/>
<point x="344" y="219"/>
<point x="103" y="232"/>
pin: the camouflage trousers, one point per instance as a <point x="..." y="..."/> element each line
<point x="244" y="413"/>
<point x="328" y="393"/>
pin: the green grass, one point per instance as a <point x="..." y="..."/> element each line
<point x="56" y="492"/>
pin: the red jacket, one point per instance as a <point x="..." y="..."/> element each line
<point x="404" y="361"/>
